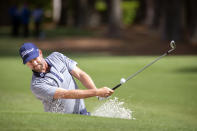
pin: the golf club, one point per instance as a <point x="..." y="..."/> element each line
<point x="122" y="81"/>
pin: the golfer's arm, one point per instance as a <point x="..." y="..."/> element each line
<point x="83" y="77"/>
<point x="74" y="94"/>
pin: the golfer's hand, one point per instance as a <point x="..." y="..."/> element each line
<point x="104" y="92"/>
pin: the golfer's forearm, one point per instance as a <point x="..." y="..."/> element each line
<point x="74" y="94"/>
<point x="87" y="81"/>
<point x="84" y="78"/>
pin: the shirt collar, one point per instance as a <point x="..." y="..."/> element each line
<point x="39" y="74"/>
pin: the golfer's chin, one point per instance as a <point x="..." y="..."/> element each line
<point x="40" y="70"/>
<point x="36" y="70"/>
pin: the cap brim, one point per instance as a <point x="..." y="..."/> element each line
<point x="30" y="57"/>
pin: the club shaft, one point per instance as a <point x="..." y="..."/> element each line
<point x="116" y="86"/>
<point x="158" y="58"/>
<point x="173" y="47"/>
<point x="143" y="68"/>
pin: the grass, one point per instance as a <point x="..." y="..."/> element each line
<point x="9" y="45"/>
<point x="48" y="32"/>
<point x="163" y="97"/>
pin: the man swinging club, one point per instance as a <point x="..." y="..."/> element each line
<point x="53" y="82"/>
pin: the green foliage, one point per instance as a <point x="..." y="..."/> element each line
<point x="100" y="5"/>
<point x="46" y="4"/>
<point x="129" y="11"/>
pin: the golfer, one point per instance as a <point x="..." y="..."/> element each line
<point x="53" y="82"/>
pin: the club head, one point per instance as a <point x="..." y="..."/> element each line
<point x="172" y="44"/>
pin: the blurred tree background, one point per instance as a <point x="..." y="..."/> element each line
<point x="171" y="19"/>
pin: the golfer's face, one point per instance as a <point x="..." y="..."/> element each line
<point x="36" y="64"/>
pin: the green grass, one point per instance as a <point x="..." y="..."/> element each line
<point x="163" y="97"/>
<point x="49" y="33"/>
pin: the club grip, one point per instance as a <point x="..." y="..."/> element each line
<point x="116" y="86"/>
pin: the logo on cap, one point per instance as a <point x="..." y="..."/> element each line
<point x="26" y="52"/>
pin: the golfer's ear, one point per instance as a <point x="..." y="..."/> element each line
<point x="40" y="53"/>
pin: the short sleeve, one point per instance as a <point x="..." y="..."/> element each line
<point x="43" y="89"/>
<point x="56" y="57"/>
<point x="71" y="64"/>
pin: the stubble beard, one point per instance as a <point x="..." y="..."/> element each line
<point x="40" y="67"/>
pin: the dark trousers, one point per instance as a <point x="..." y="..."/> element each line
<point x="15" y="28"/>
